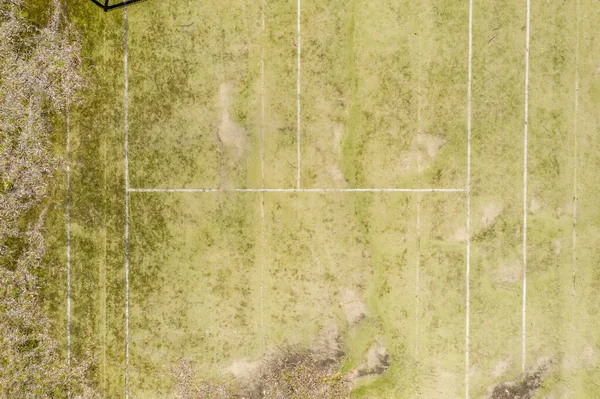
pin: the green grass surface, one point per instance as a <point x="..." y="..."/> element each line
<point x="214" y="280"/>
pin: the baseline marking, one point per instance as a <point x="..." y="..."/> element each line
<point x="468" y="245"/>
<point x="298" y="190"/>
<point x="298" y="101"/>
<point x="126" y="94"/>
<point x="525" y="138"/>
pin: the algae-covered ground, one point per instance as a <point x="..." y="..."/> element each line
<point x="213" y="98"/>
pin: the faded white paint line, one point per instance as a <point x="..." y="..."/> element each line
<point x="299" y="190"/>
<point x="68" y="220"/>
<point x="126" y="121"/>
<point x="468" y="245"/>
<point x="525" y="145"/>
<point x="298" y="45"/>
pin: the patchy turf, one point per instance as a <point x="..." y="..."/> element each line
<point x="215" y="281"/>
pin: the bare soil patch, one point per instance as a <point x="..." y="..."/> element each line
<point x="509" y="274"/>
<point x="353" y="308"/>
<point x="338" y="136"/>
<point x="231" y="135"/>
<point x="431" y="144"/>
<point x="524" y="387"/>
<point x="378" y="361"/>
<point x="557" y="245"/>
<point x="501" y="367"/>
<point x="460" y="234"/>
<point x="296" y="372"/>
<point x="289" y="372"/>
<point x="336" y="175"/>
<point x="535" y="205"/>
<point x="490" y="213"/>
<point x="425" y="150"/>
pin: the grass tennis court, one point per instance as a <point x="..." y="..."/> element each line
<point x="241" y="171"/>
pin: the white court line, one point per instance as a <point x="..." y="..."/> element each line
<point x="126" y="121"/>
<point x="262" y="172"/>
<point x="103" y="278"/>
<point x="468" y="245"/>
<point x="418" y="263"/>
<point x="298" y="44"/>
<point x="417" y="288"/>
<point x="298" y="190"/>
<point x="525" y="137"/>
<point x="262" y="99"/>
<point x="575" y="156"/>
<point x="68" y="217"/>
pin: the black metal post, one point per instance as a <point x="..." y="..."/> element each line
<point x="107" y="7"/>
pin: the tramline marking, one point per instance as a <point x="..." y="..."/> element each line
<point x="525" y="138"/>
<point x="468" y="245"/>
<point x="126" y="121"/>
<point x="298" y="190"/>
<point x="298" y="45"/>
<point x="103" y="277"/>
<point x="68" y="220"/>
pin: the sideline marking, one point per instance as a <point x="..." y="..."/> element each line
<point x="526" y="120"/>
<point x="262" y="172"/>
<point x="468" y="271"/>
<point x="418" y="263"/>
<point x="125" y="57"/>
<point x="298" y="100"/>
<point x="298" y="190"/>
<point x="68" y="217"/>
<point x="575" y="156"/>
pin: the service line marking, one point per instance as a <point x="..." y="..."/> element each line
<point x="468" y="245"/>
<point x="126" y="121"/>
<point x="525" y="145"/>
<point x="298" y="45"/>
<point x="298" y="190"/>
